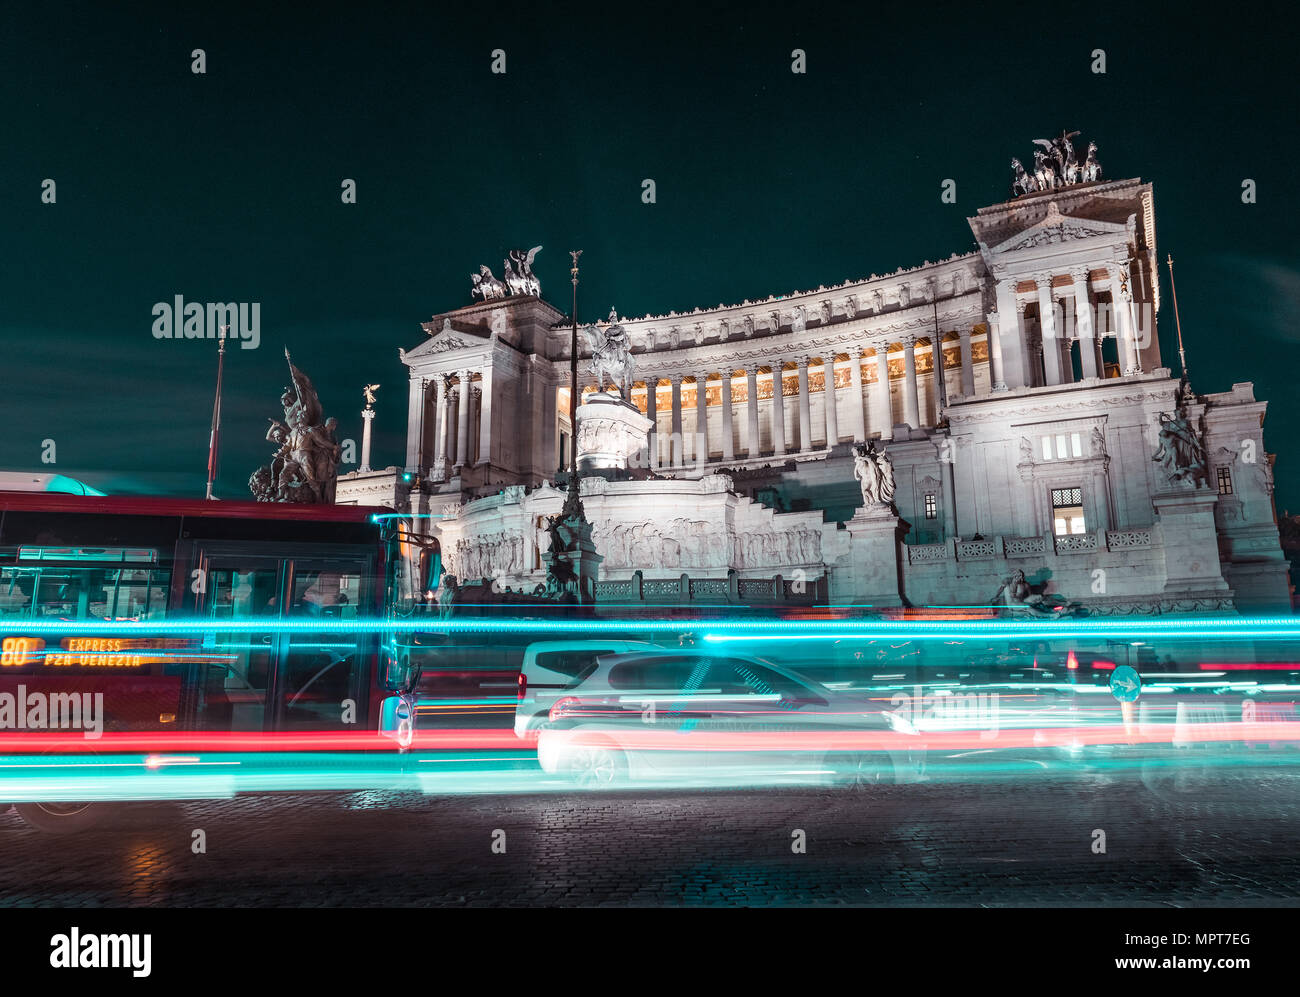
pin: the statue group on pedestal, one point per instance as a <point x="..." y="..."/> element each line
<point x="519" y="277"/>
<point x="875" y="473"/>
<point x="1180" y="454"/>
<point x="305" y="468"/>
<point x="611" y="355"/>
<point x="1055" y="165"/>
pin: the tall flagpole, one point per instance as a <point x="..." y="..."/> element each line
<point x="214" y="434"/>
<point x="1182" y="356"/>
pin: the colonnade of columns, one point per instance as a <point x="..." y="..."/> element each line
<point x="851" y="405"/>
<point x="454" y="427"/>
<point x="1014" y="348"/>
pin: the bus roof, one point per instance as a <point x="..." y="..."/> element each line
<point x="152" y="505"/>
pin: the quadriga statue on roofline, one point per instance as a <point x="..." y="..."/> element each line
<point x="305" y="468"/>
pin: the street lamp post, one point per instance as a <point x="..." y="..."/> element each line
<point x="571" y="504"/>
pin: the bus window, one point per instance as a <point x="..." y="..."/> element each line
<point x="78" y="592"/>
<point x="236" y="667"/>
<point x="323" y="672"/>
<point x="16" y="588"/>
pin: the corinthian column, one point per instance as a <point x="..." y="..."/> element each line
<point x="752" y="442"/>
<point x="485" y="418"/>
<point x="652" y="413"/>
<point x="462" y="419"/>
<point x="1129" y="361"/>
<point x="911" y="400"/>
<point x="1083" y="324"/>
<point x="728" y="448"/>
<point x="676" y="381"/>
<point x="700" y="448"/>
<point x="805" y="417"/>
<point x="832" y="416"/>
<point x="442" y="405"/>
<point x="967" y="365"/>
<point x="1051" y="336"/>
<point x="778" y="408"/>
<point x="414" y="423"/>
<point x="858" y="414"/>
<point x="884" y="405"/>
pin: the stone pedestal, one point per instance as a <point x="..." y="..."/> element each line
<point x="874" y="537"/>
<point x="572" y="564"/>
<point x="611" y="432"/>
<point x="1190" y="541"/>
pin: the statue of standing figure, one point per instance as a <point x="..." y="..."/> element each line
<point x="305" y="468"/>
<point x="874" y="471"/>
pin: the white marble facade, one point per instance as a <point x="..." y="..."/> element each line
<point x="1051" y="391"/>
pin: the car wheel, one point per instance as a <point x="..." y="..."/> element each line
<point x="63" y="818"/>
<point x="597" y="766"/>
<point x="864" y="770"/>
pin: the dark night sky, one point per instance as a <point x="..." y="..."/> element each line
<point x="225" y="187"/>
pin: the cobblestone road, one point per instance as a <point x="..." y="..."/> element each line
<point x="1236" y="841"/>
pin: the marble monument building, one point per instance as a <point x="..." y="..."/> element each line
<point x="999" y="425"/>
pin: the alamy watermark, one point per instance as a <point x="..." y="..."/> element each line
<point x="943" y="708"/>
<point x="25" y="710"/>
<point x="181" y="319"/>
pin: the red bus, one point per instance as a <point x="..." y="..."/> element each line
<point x="90" y="560"/>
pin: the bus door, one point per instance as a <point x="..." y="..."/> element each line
<point x="323" y="678"/>
<point x="234" y="671"/>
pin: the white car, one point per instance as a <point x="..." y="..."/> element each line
<point x="689" y="716"/>
<point x="552" y="667"/>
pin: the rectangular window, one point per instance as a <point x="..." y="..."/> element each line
<point x="1225" y="481"/>
<point x="1067" y="511"/>
<point x="74" y="591"/>
<point x="931" y="506"/>
<point x="1076" y="445"/>
<point x="1061" y="452"/>
<point x="1047" y="448"/>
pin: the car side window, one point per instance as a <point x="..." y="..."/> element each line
<point x="666" y="674"/>
<point x="759" y="680"/>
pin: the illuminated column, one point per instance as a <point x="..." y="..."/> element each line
<point x="414" y="423"/>
<point x="676" y="381"/>
<point x="462" y="420"/>
<point x="805" y="417"/>
<point x="700" y="447"/>
<point x="728" y="448"/>
<point x="475" y="406"/>
<point x="997" y="377"/>
<point x="1013" y="363"/>
<point x="485" y="418"/>
<point x="911" y="400"/>
<point x="367" y="416"/>
<point x="442" y="405"/>
<point x="1083" y="324"/>
<point x="856" y="411"/>
<point x="884" y="406"/>
<point x="652" y="413"/>
<point x="778" y="408"/>
<point x="1119" y="296"/>
<point x="752" y="442"/>
<point x="832" y="416"/>
<point x="1051" y="337"/>
<point x="967" y="365"/>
